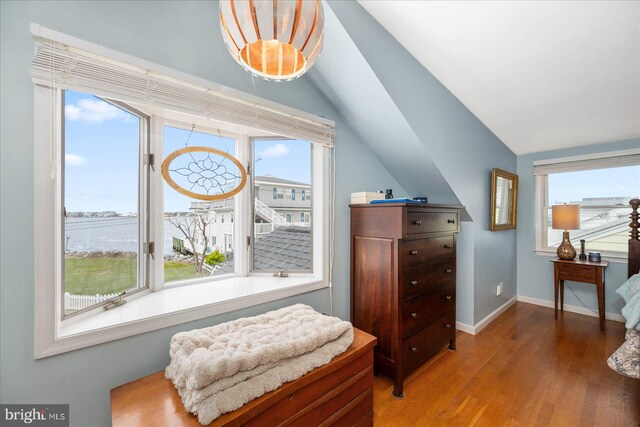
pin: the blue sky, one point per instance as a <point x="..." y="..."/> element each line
<point x="575" y="186"/>
<point x="101" y="157"/>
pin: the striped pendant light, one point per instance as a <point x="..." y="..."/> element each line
<point x="274" y="39"/>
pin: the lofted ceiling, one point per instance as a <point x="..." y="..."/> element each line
<point x="540" y="75"/>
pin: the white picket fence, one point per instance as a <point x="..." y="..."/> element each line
<point x="78" y="302"/>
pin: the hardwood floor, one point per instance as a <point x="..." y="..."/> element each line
<point x="524" y="369"/>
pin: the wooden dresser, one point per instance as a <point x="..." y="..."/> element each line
<point x="339" y="393"/>
<point x="403" y="282"/>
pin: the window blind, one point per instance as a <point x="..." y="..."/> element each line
<point x="609" y="160"/>
<point x="63" y="66"/>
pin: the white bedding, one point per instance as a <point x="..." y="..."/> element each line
<point x="220" y="368"/>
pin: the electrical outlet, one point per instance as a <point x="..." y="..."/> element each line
<point x="499" y="288"/>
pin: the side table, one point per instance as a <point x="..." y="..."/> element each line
<point x="579" y="271"/>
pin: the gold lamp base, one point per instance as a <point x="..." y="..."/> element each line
<point x="566" y="251"/>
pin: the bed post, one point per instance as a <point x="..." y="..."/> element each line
<point x="634" y="238"/>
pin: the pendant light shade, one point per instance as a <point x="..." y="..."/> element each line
<point x="273" y="39"/>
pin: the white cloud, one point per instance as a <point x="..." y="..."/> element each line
<point x="74" y="160"/>
<point x="275" y="151"/>
<point x="93" y="111"/>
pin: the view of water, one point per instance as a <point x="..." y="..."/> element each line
<point x="110" y="234"/>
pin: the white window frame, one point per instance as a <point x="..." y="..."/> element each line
<point x="556" y="165"/>
<point x="159" y="306"/>
<point x="142" y="261"/>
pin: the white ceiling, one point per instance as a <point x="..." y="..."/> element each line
<point x="540" y="75"/>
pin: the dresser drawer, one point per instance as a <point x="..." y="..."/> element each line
<point x="419" y="347"/>
<point x="416" y="280"/>
<point x="419" y="222"/>
<point x="423" y="309"/>
<point x="420" y="251"/>
<point x="579" y="272"/>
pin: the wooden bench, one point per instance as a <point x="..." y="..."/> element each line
<point x="339" y="393"/>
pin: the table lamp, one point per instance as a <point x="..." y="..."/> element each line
<point x="565" y="217"/>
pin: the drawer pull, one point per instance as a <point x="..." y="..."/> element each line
<point x="448" y="270"/>
<point x="451" y="221"/>
<point x="448" y="297"/>
<point x="414" y="349"/>
<point x="414" y="252"/>
<point x="414" y="315"/>
<point x="447" y="246"/>
<point x="414" y="283"/>
<point x="448" y="326"/>
<point x="417" y="222"/>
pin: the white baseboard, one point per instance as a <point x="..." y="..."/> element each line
<point x="465" y="328"/>
<point x="495" y="313"/>
<point x="571" y="308"/>
<point x="473" y="330"/>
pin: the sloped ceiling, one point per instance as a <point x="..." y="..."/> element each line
<point x="350" y="84"/>
<point x="540" y="75"/>
<point x="425" y="137"/>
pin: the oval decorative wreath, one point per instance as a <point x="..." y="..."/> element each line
<point x="206" y="174"/>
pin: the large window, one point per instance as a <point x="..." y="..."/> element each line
<point x="112" y="234"/>
<point x="602" y="187"/>
<point x="104" y="199"/>
<point x="109" y="212"/>
<point x="282" y="244"/>
<point x="198" y="242"/>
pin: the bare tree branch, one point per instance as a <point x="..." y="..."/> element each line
<point x="192" y="227"/>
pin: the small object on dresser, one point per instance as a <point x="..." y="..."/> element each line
<point x="594" y="257"/>
<point x="583" y="256"/>
<point x="364" y="197"/>
<point x="389" y="194"/>
<point x="421" y="199"/>
<point x="398" y="200"/>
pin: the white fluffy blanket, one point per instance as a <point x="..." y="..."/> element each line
<point x="220" y="368"/>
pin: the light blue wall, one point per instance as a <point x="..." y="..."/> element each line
<point x="183" y="35"/>
<point x="366" y="106"/>
<point x="462" y="148"/>
<point x="535" y="272"/>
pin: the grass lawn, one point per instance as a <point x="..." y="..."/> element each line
<point x="176" y="270"/>
<point x="91" y="276"/>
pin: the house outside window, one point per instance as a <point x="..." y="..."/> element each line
<point x="602" y="186"/>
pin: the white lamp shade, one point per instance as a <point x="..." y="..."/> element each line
<point x="565" y="217"/>
<point x="273" y="39"/>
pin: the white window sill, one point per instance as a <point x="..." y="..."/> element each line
<point x="172" y="306"/>
<point x="615" y="258"/>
